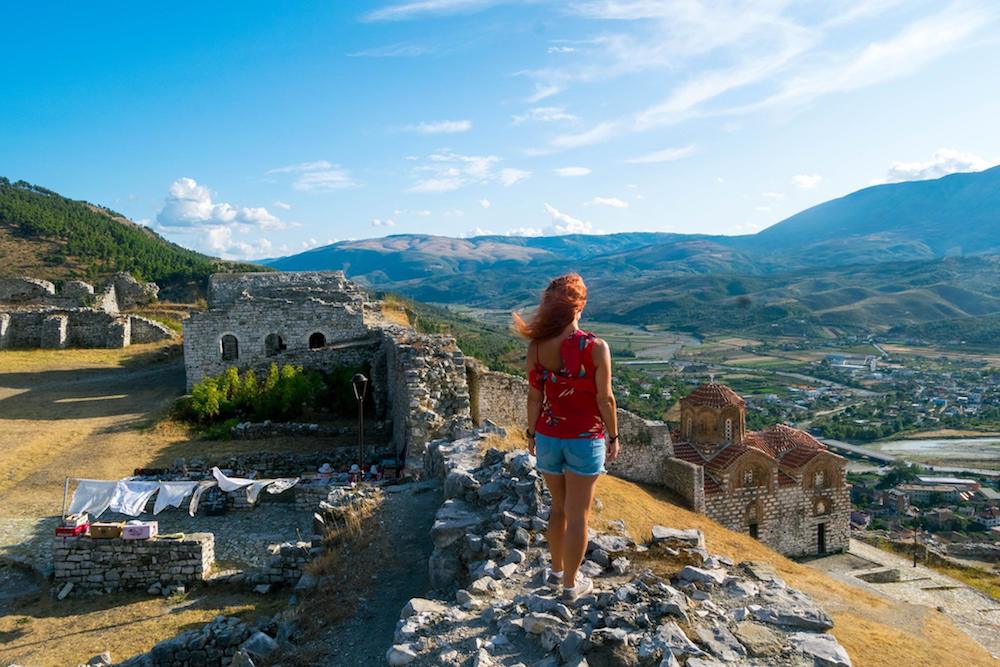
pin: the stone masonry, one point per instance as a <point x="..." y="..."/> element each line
<point x="34" y="314"/>
<point x="105" y="565"/>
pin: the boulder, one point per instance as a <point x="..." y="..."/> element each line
<point x="823" y="648"/>
<point x="690" y="573"/>
<point x="678" y="537"/>
<point x="453" y="521"/>
<point x="791" y="609"/>
<point x="400" y="654"/>
<point x="423" y="606"/>
<point x="258" y="645"/>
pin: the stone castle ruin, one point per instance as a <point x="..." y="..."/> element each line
<point x="779" y="485"/>
<point x="34" y="314"/>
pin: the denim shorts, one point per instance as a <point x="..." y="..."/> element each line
<point x="582" y="456"/>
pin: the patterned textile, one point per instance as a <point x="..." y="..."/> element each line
<point x="570" y="395"/>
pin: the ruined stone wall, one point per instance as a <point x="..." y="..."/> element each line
<point x="251" y="321"/>
<point x="145" y="330"/>
<point x="685" y="479"/>
<point x="787" y="517"/>
<point x="427" y="389"/>
<point x="102" y="566"/>
<point x="76" y="327"/>
<point x="225" y="289"/>
<point x="498" y="397"/>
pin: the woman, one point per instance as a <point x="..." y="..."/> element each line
<point x="573" y="422"/>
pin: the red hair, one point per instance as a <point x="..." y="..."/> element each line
<point x="561" y="301"/>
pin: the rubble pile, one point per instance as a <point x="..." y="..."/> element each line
<point x="488" y="568"/>
<point x="224" y="641"/>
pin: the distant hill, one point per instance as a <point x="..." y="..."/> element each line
<point x="886" y="256"/>
<point x="954" y="215"/>
<point x="45" y="235"/>
<point x="957" y="215"/>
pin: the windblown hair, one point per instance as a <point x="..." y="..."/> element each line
<point x="561" y="301"/>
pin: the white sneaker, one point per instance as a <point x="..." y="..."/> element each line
<point x="584" y="585"/>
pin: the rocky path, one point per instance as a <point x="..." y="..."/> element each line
<point x="406" y="517"/>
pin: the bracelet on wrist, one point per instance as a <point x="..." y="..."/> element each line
<point x="529" y="433"/>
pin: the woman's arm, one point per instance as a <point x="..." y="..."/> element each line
<point x="534" y="404"/>
<point x="605" y="396"/>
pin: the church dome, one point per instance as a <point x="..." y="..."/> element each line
<point x="713" y="395"/>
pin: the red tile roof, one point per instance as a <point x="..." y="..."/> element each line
<point x="714" y="395"/>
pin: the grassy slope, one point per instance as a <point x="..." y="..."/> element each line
<point x="45" y="235"/>
<point x="876" y="632"/>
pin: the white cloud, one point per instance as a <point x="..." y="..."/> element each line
<point x="317" y="165"/>
<point x="525" y="231"/>
<point x="216" y="227"/>
<point x="282" y="205"/>
<point x="190" y="205"/>
<point x="772" y="195"/>
<point x="572" y="171"/>
<point x="511" y="176"/>
<point x="478" y="231"/>
<point x="944" y="161"/>
<point x="595" y="135"/>
<point x="417" y="8"/>
<point x="436" y="185"/>
<point x="397" y="50"/>
<point x="544" y="115"/>
<point x="485" y="203"/>
<point x="319" y="175"/>
<point x="441" y="127"/>
<point x="563" y="223"/>
<point x="561" y="49"/>
<point x="665" y="155"/>
<point x="806" y="181"/>
<point x="380" y="222"/>
<point x="542" y="92"/>
<point x="613" y="202"/>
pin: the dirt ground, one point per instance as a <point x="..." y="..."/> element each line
<point x="97" y="414"/>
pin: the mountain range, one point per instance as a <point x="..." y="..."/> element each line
<point x="890" y="256"/>
<point x="886" y="256"/>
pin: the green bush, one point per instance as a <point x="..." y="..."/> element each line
<point x="285" y="393"/>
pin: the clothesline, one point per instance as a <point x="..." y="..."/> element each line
<point x="130" y="496"/>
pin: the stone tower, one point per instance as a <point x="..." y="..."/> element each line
<point x="713" y="416"/>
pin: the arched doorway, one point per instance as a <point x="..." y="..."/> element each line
<point x="316" y="341"/>
<point x="229" y="347"/>
<point x="273" y="345"/>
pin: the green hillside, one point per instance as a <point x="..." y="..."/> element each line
<point x="46" y="235"/>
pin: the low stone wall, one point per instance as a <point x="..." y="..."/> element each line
<point x="103" y="566"/>
<point x="977" y="551"/>
<point x="269" y="429"/>
<point x="498" y="397"/>
<point x="145" y="330"/>
<point x="274" y="464"/>
<point x="687" y="480"/>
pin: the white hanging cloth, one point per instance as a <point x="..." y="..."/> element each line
<point x="172" y="494"/>
<point x="198" y="493"/>
<point x="131" y="496"/>
<point x="229" y="484"/>
<point x="92" y="496"/>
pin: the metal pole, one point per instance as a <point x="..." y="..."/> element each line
<point x="65" y="495"/>
<point x="361" y="436"/>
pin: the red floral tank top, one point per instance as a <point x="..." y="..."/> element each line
<point x="570" y="408"/>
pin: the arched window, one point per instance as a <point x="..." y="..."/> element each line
<point x="819" y="479"/>
<point x="230" y="348"/>
<point x="749" y="478"/>
<point x="729" y="430"/>
<point x="316" y="341"/>
<point x="273" y="345"/>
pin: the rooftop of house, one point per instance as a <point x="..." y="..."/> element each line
<point x="713" y="394"/>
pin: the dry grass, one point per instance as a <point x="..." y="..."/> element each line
<point x="46" y="633"/>
<point x="31" y="361"/>
<point x="949" y="433"/>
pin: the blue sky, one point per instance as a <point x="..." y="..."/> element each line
<point x="258" y="129"/>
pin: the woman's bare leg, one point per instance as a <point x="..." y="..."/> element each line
<point x="557" y="518"/>
<point x="579" y="499"/>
